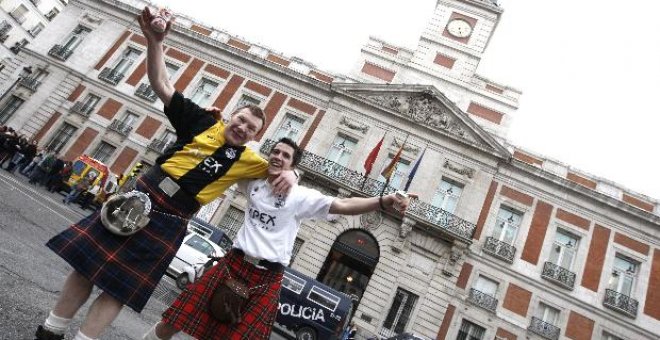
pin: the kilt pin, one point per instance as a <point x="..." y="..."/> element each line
<point x="189" y="313"/>
<point x="126" y="267"/>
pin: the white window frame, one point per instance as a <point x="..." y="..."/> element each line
<point x="124" y="63"/>
<point x="399" y="177"/>
<point x="76" y="37"/>
<point x="483" y="280"/>
<point x="623" y="272"/>
<point x="198" y="94"/>
<point x="341" y="149"/>
<point x="472" y="327"/>
<point x="564" y="249"/>
<point x="61" y="138"/>
<point x="507" y="223"/>
<point x="92" y="98"/>
<point x="544" y="313"/>
<point x="97" y="149"/>
<point x="282" y="132"/>
<point x="443" y="197"/>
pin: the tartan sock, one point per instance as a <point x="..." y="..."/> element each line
<point x="81" y="336"/>
<point x="56" y="324"/>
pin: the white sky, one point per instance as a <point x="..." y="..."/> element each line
<point x="589" y="70"/>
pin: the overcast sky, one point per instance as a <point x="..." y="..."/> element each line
<point x="589" y="70"/>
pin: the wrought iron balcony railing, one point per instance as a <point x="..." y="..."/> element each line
<point x="159" y="145"/>
<point x="60" y="52"/>
<point x="82" y="109"/>
<point x="620" y="302"/>
<point x="145" y="91"/>
<point x="120" y="127"/>
<point x="111" y="76"/>
<point x="558" y="275"/>
<point x="500" y="249"/>
<point x="482" y="300"/>
<point x="30" y="83"/>
<point x="355" y="180"/>
<point x="5" y="27"/>
<point x="544" y="329"/>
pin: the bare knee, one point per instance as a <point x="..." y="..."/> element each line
<point x="165" y="331"/>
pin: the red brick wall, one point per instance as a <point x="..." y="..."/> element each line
<point x="312" y="128"/>
<point x="537" y="231"/>
<point x="178" y="55"/>
<point x="238" y="44"/>
<point x="485" y="209"/>
<point x="378" y="72"/>
<point x="631" y="244"/>
<point x="228" y="92"/>
<point x="517" y="196"/>
<point x="503" y="333"/>
<point x="271" y="110"/>
<point x="112" y="50"/>
<point x="652" y="305"/>
<point x="124" y="159"/>
<point x="581" y="180"/>
<point x="138" y="74"/>
<point x="139" y="39"/>
<point x="258" y="88"/>
<point x="76" y="93"/>
<point x="593" y="268"/>
<point x="444" y="60"/>
<point x="278" y="60"/>
<point x="446" y="322"/>
<point x="526" y="158"/>
<point x="302" y="106"/>
<point x="638" y="203"/>
<point x="517" y="299"/>
<point x="464" y="276"/>
<point x="49" y="124"/>
<point x="201" y="30"/>
<point x="216" y="71"/>
<point x="188" y="75"/>
<point x="148" y="127"/>
<point x="573" y="219"/>
<point x="579" y="327"/>
<point x="485" y="113"/>
<point x="320" y="76"/>
<point x="110" y="108"/>
<point x="495" y="89"/>
<point x="79" y="146"/>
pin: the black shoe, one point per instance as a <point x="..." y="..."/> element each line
<point x="44" y="334"/>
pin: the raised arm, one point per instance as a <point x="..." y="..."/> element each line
<point x="156" y="70"/>
<point x="361" y="205"/>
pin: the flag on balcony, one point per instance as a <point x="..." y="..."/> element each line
<point x="414" y="170"/>
<point x="371" y="159"/>
<point x="389" y="169"/>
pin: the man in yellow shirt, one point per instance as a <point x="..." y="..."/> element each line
<point x="207" y="157"/>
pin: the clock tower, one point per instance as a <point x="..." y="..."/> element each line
<point x="447" y="56"/>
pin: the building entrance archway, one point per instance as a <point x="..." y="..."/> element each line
<point x="350" y="263"/>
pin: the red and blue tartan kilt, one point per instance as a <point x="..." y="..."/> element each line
<point x="189" y="313"/>
<point x="126" y="267"/>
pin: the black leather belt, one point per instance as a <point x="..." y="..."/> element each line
<point x="182" y="199"/>
<point x="274" y="266"/>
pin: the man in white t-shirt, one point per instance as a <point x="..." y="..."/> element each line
<point x="262" y="248"/>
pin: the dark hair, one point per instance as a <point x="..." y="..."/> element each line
<point x="255" y="111"/>
<point x="297" y="151"/>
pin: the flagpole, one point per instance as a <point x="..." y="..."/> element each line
<point x="387" y="180"/>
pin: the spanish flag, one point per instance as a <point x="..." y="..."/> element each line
<point x="389" y="169"/>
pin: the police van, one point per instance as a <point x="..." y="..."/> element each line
<point x="311" y="309"/>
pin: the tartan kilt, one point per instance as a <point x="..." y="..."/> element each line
<point x="126" y="267"/>
<point x="189" y="312"/>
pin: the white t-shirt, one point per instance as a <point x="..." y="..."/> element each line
<point x="272" y="222"/>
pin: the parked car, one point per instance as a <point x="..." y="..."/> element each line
<point x="195" y="249"/>
<point x="311" y="309"/>
<point x="211" y="232"/>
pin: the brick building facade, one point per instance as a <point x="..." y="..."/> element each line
<point x="502" y="242"/>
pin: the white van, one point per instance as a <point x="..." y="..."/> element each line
<point x="195" y="249"/>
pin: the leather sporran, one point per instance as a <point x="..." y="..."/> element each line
<point x="228" y="301"/>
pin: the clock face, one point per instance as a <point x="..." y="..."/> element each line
<point x="459" y="28"/>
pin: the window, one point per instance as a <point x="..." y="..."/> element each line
<point x="169" y="137"/>
<point x="89" y="103"/>
<point x="293" y="283"/>
<point x="200" y="245"/>
<point x="291" y="127"/>
<point x="9" y="108"/>
<point x="624" y="273"/>
<point x="129" y="119"/>
<point x="447" y="195"/>
<point x="246" y="100"/>
<point x="297" y="244"/>
<point x="171" y="69"/>
<point x="36" y="29"/>
<point x="52" y="14"/>
<point x="470" y="331"/>
<point x="203" y="92"/>
<point x="341" y="149"/>
<point x="127" y="59"/>
<point x="547" y="314"/>
<point x="323" y="298"/>
<point x="103" y="152"/>
<point x="609" y="336"/>
<point x="399" y="313"/>
<point x="507" y="224"/>
<point x="400" y="174"/>
<point x="232" y="221"/>
<point x="75" y="38"/>
<point x="486" y="285"/>
<point x="61" y="137"/>
<point x="563" y="249"/>
<point x="19" y="13"/>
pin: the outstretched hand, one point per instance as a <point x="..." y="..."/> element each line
<point x="144" y="19"/>
<point x="398" y="202"/>
<point x="215" y="112"/>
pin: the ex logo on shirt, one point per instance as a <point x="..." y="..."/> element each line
<point x="264" y="220"/>
<point x="212" y="166"/>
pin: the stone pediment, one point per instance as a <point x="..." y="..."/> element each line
<point x="426" y="106"/>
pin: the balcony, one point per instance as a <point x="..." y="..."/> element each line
<point x="558" y="275"/>
<point x="436" y="217"/>
<point x="82" y="109"/>
<point x="30" y="83"/>
<point x="19" y="18"/>
<point x="145" y="91"/>
<point x="60" y="52"/>
<point x="482" y="300"/>
<point x="544" y="329"/>
<point x="620" y="303"/>
<point x="159" y="145"/>
<point x="499" y="249"/>
<point x="5" y="27"/>
<point x="120" y="127"/>
<point x="111" y="76"/>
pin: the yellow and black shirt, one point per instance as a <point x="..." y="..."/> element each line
<point x="200" y="161"/>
